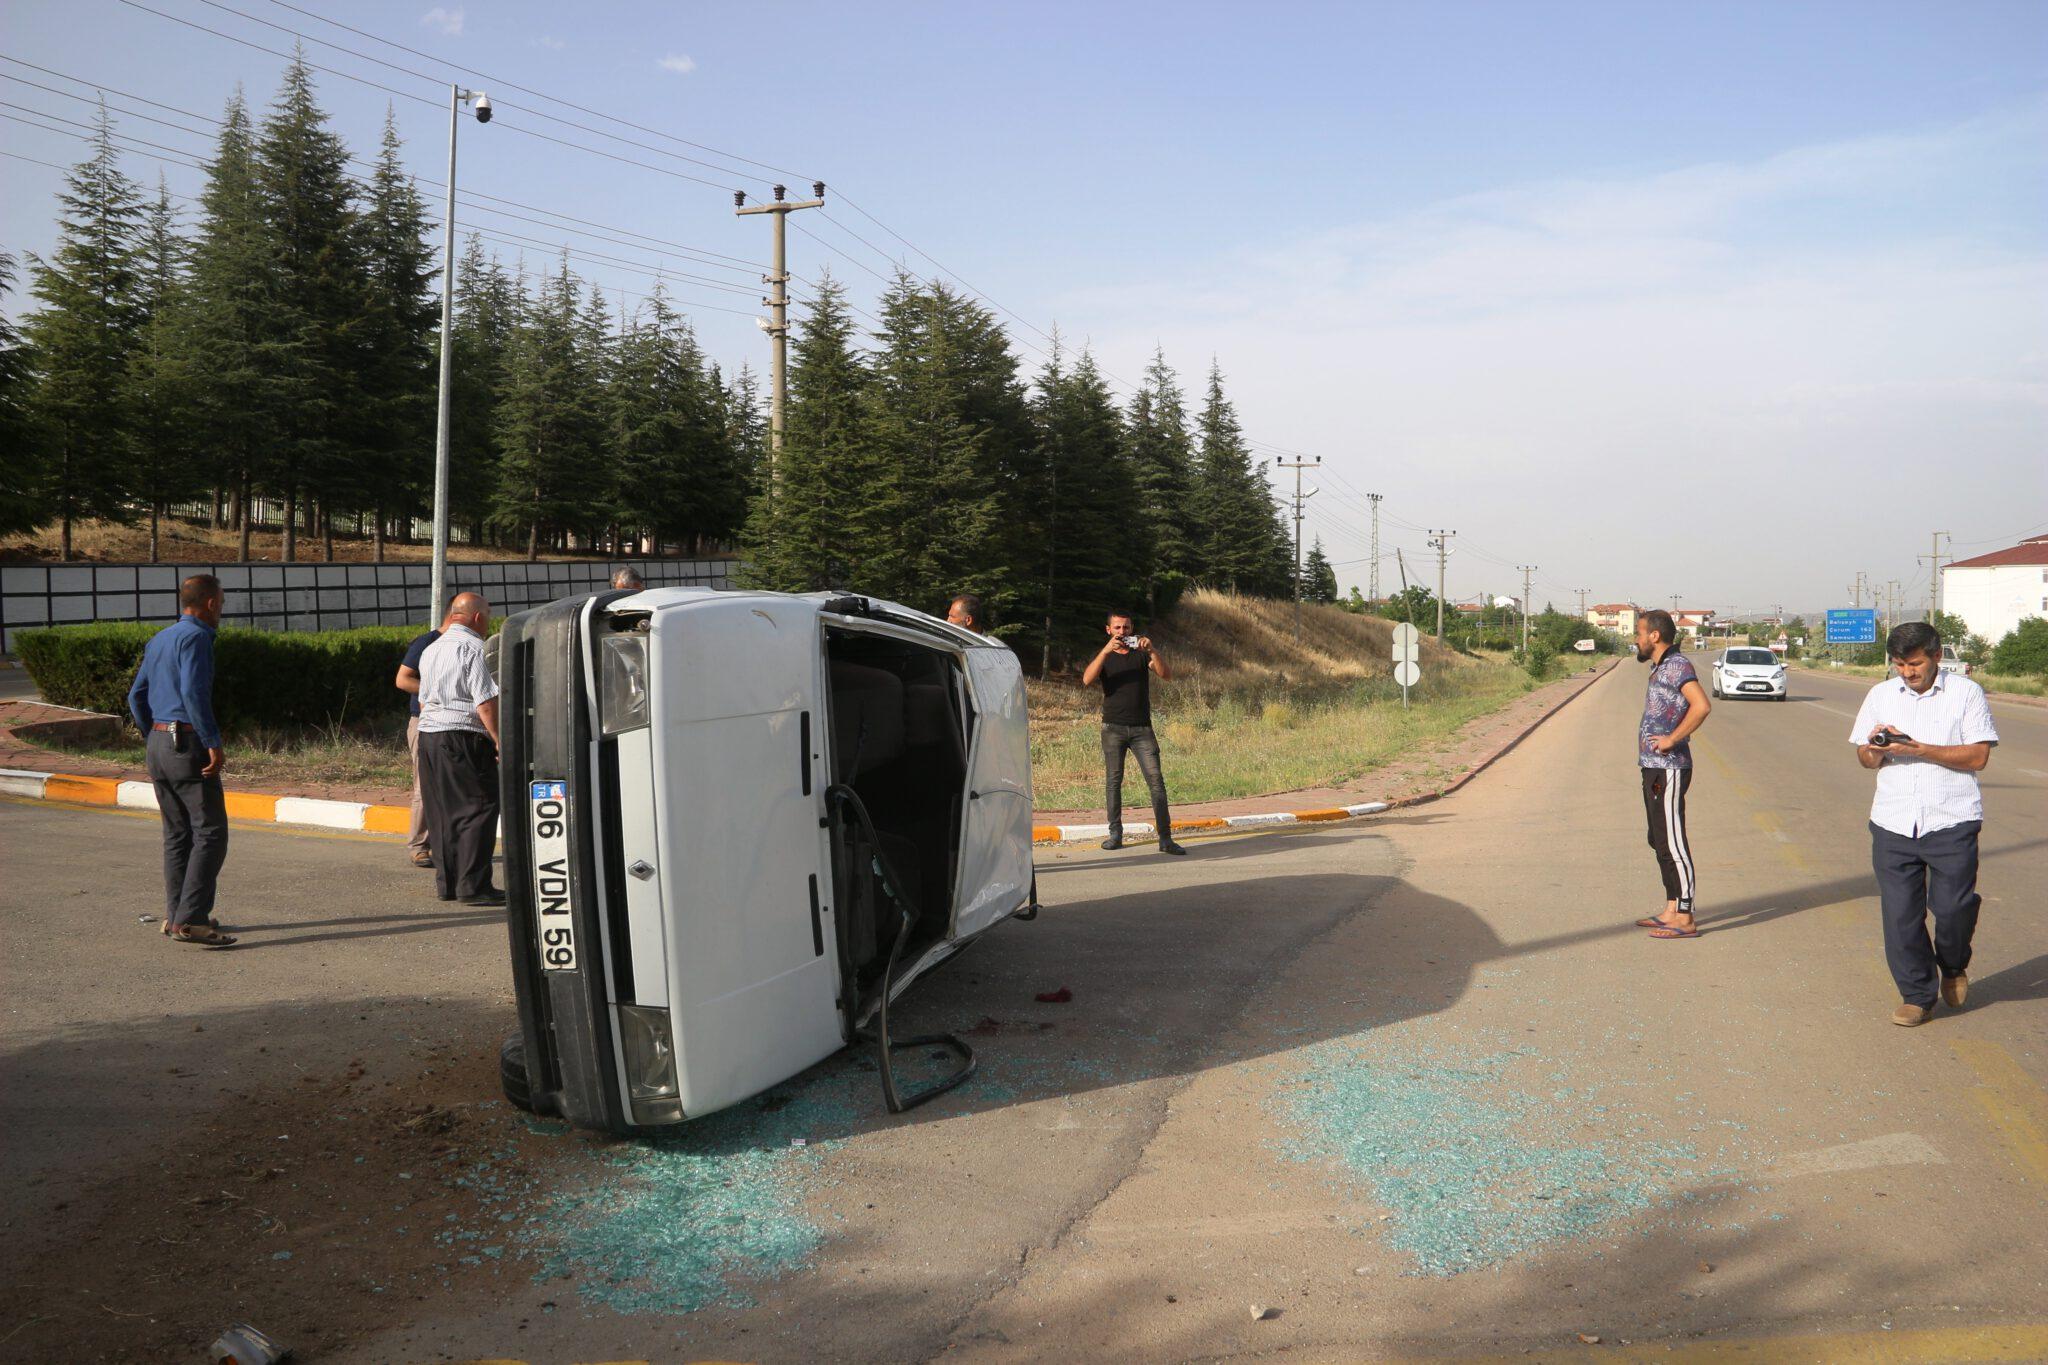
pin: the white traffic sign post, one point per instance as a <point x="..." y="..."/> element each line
<point x="1407" y="658"/>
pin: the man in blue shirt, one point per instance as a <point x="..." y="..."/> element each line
<point x="408" y="681"/>
<point x="172" y="702"/>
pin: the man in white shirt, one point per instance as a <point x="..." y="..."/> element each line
<point x="1927" y="734"/>
<point x="458" y="739"/>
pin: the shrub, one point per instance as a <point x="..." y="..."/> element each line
<point x="261" y="677"/>
<point x="2024" y="648"/>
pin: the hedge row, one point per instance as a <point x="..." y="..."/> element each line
<point x="261" y="677"/>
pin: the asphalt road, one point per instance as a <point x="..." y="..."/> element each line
<point x="1414" y="1086"/>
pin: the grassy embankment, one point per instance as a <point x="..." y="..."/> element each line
<point x="2011" y="685"/>
<point x="1250" y="711"/>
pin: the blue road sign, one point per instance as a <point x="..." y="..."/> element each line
<point x="1852" y="626"/>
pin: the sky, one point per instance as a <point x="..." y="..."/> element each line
<point x="1721" y="302"/>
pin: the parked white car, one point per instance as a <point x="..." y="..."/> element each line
<point x="736" y="826"/>
<point x="1749" y="672"/>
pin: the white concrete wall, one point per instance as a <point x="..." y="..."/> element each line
<point x="1993" y="601"/>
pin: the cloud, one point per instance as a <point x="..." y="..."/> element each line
<point x="680" y="63"/>
<point x="550" y="42"/>
<point x="449" y="21"/>
<point x="1752" y="346"/>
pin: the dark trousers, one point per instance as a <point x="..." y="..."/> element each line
<point x="1142" y="744"/>
<point x="1936" y="872"/>
<point x="1664" y="792"/>
<point x="195" y="817"/>
<point x="459" y="780"/>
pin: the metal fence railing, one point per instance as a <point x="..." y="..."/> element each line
<point x="311" y="596"/>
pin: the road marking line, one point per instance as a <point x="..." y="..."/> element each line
<point x="2031" y="772"/>
<point x="2013" y="1342"/>
<point x="2012" y="1102"/>
<point x="1893" y="1149"/>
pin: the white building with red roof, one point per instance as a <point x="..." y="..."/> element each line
<point x="1995" y="592"/>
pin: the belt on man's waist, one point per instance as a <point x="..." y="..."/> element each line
<point x="173" y="725"/>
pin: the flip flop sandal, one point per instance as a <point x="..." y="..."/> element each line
<point x="1649" y="922"/>
<point x="206" y="936"/>
<point x="1673" y="931"/>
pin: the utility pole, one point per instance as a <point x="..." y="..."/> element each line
<point x="1527" y="571"/>
<point x="777" y="302"/>
<point x="1934" y="576"/>
<point x="1299" y="498"/>
<point x="1440" y="541"/>
<point x="1374" y="594"/>
<point x="437" y="575"/>
<point x="1582" y="602"/>
<point x="1891" y="616"/>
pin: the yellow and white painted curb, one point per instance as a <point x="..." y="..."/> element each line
<point x="1074" y="834"/>
<point x="359" y="816"/>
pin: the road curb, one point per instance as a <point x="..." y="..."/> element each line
<point x="1070" y="834"/>
<point x="128" y="794"/>
<point x="362" y="817"/>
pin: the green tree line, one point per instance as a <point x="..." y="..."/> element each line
<point x="282" y="345"/>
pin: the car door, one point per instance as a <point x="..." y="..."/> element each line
<point x="995" y="837"/>
<point x="753" y="967"/>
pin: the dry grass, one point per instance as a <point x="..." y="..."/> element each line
<point x="350" y="758"/>
<point x="2011" y="685"/>
<point x="105" y="542"/>
<point x="1250" y="710"/>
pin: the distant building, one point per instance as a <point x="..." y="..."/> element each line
<point x="1995" y="592"/>
<point x="1693" y="623"/>
<point x="1619" y="617"/>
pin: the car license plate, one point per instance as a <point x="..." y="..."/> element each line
<point x="557" y="927"/>
<point x="1756" y="687"/>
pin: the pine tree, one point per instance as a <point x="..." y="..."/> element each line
<point x="1163" y="453"/>
<point x="314" y="361"/>
<point x="21" y="453"/>
<point x="803" y="534"/>
<point x="1093" y="550"/>
<point x="674" y="474"/>
<point x="228" y="326"/>
<point x="550" y="428"/>
<point x="746" y="436"/>
<point x="159" y="397"/>
<point x="488" y="305"/>
<point x="83" y="339"/>
<point x="1242" y="544"/>
<point x="1319" y="579"/>
<point x="395" y="419"/>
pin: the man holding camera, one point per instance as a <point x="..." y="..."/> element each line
<point x="1125" y="667"/>
<point x="1927" y="734"/>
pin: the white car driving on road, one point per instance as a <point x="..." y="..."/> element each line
<point x="1751" y="672"/>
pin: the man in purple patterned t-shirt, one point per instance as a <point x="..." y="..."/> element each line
<point x="1675" y="707"/>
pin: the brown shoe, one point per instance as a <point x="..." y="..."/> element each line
<point x="422" y="860"/>
<point x="205" y="935"/>
<point x="1955" y="990"/>
<point x="1912" y="1016"/>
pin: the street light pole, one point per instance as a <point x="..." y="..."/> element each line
<point x="437" y="601"/>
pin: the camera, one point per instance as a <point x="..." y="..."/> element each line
<point x="1130" y="642"/>
<point x="1883" y="739"/>
<point x="483" y="108"/>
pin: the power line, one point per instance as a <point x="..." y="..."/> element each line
<point x="440" y="80"/>
<point x="552" y="99"/>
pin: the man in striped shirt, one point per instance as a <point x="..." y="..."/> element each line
<point x="1675" y="707"/>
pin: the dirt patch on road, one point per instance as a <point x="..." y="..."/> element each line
<point x="319" y="1210"/>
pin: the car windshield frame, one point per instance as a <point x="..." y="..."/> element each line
<point x="1751" y="657"/>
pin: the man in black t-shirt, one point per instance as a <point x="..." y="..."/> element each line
<point x="1125" y="668"/>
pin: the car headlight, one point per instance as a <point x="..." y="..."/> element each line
<point x="650" y="1052"/>
<point x="622" y="682"/>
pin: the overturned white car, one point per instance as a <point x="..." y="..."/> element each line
<point x="736" y="825"/>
